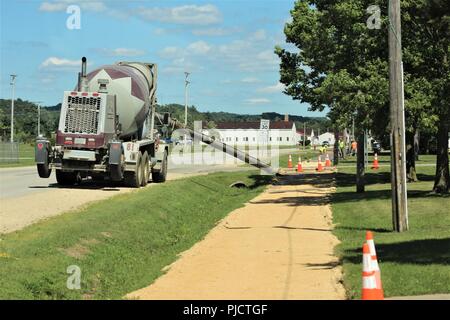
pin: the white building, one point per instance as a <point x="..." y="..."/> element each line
<point x="326" y="137"/>
<point x="250" y="133"/>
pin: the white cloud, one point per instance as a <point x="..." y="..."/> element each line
<point x="187" y="14"/>
<point x="214" y="32"/>
<point x="61" y="5"/>
<point x="170" y="52"/>
<point x="254" y="101"/>
<point x="250" y="80"/>
<point x="120" y="52"/>
<point x="259" y="35"/>
<point x="55" y="63"/>
<point x="199" y="47"/>
<point x="279" y="87"/>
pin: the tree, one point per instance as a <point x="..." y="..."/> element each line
<point x="338" y="65"/>
<point x="428" y="45"/>
<point x="342" y="64"/>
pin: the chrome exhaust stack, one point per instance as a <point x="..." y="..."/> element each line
<point x="83" y="84"/>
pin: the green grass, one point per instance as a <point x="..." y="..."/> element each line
<point x="306" y="155"/>
<point x="386" y="160"/>
<point x="123" y="242"/>
<point x="412" y="263"/>
<point x="26" y="155"/>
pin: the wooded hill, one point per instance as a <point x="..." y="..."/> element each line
<point x="26" y="115"/>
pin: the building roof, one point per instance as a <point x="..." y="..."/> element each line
<point x="308" y="132"/>
<point x="255" y="125"/>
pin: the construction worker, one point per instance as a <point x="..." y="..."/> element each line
<point x="341" y="148"/>
<point x="354" y="148"/>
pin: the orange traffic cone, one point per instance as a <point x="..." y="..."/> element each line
<point x="319" y="165"/>
<point x="327" y="161"/>
<point x="374" y="259"/>
<point x="299" y="165"/>
<point x="290" y="162"/>
<point x="369" y="282"/>
<point x="375" y="162"/>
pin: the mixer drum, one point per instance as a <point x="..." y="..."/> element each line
<point x="131" y="83"/>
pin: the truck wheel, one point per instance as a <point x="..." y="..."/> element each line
<point x="134" y="179"/>
<point x="145" y="169"/>
<point x="66" y="178"/>
<point x="44" y="170"/>
<point x="160" y="175"/>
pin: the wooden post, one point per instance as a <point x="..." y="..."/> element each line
<point x="336" y="148"/>
<point x="304" y="135"/>
<point x="360" y="163"/>
<point x="398" y="155"/>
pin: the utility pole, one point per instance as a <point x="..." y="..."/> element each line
<point x="304" y="135"/>
<point x="38" y="104"/>
<point x="353" y="128"/>
<point x="13" y="84"/>
<point x="186" y="82"/>
<point x="397" y="115"/>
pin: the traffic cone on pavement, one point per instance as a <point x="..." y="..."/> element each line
<point x="369" y="282"/>
<point x="319" y="165"/>
<point x="374" y="259"/>
<point x="375" y="162"/>
<point x="299" y="165"/>
<point x="290" y="162"/>
<point x="327" y="161"/>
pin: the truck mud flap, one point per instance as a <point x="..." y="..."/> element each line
<point x="116" y="163"/>
<point x="42" y="158"/>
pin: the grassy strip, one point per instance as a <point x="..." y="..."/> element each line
<point x="26" y="155"/>
<point x="120" y="244"/>
<point x="412" y="263"/>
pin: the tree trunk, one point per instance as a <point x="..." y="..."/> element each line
<point x="417" y="144"/>
<point x="336" y="148"/>
<point x="411" y="174"/>
<point x="360" y="165"/>
<point x="441" y="182"/>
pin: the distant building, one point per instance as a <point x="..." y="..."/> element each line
<point x="250" y="133"/>
<point x="326" y="137"/>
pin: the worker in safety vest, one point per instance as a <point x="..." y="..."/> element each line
<point x="341" y="148"/>
<point x="354" y="148"/>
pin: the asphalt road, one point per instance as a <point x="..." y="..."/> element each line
<point x="21" y="181"/>
<point x="25" y="198"/>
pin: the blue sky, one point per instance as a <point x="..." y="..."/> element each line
<point x="226" y="45"/>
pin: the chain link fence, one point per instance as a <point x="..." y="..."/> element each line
<point x="9" y="152"/>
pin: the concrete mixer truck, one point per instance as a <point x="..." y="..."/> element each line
<point x="108" y="128"/>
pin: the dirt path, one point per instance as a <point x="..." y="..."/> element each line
<point x="279" y="246"/>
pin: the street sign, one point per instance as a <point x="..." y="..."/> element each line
<point x="264" y="131"/>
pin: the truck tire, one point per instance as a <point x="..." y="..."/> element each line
<point x="66" y="178"/>
<point x="133" y="179"/>
<point x="160" y="175"/>
<point x="44" y="170"/>
<point x="145" y="169"/>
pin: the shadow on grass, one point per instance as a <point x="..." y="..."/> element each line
<point x="349" y="179"/>
<point x="260" y="180"/>
<point x="376" y="230"/>
<point x="316" y="197"/>
<point x="423" y="252"/>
